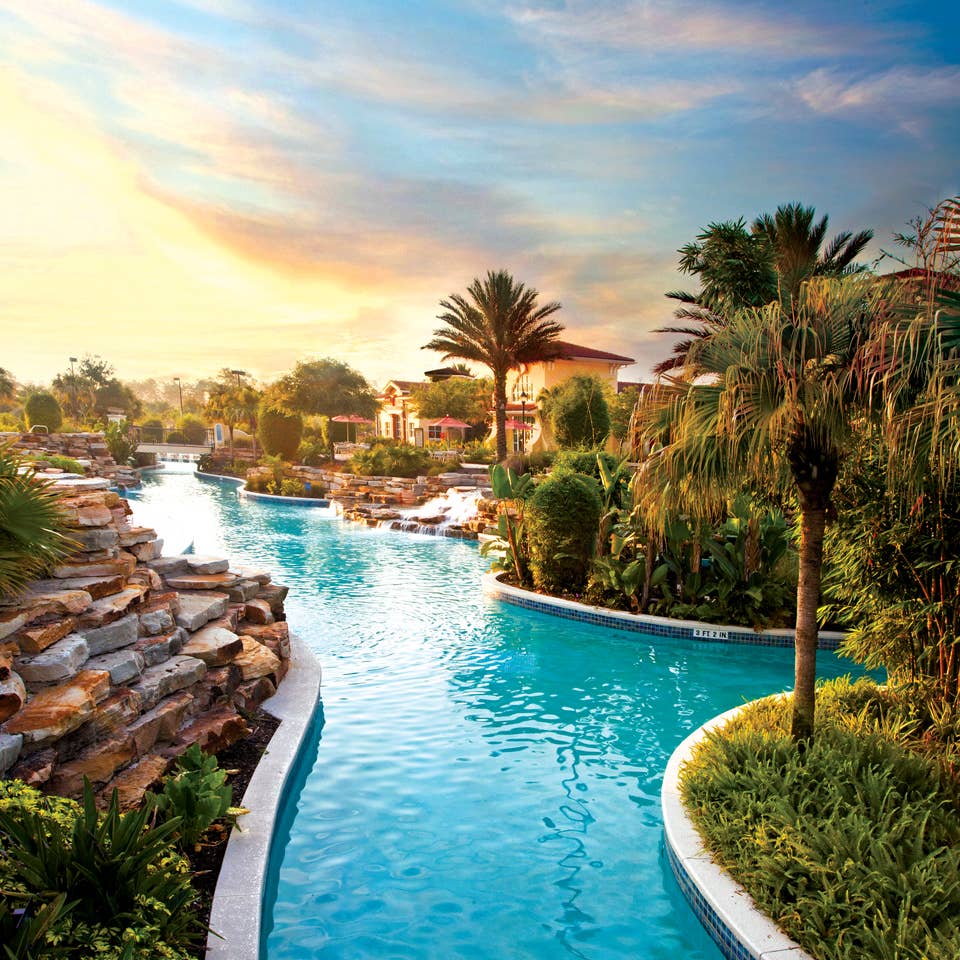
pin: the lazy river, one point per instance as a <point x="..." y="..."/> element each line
<point x="485" y="779"/>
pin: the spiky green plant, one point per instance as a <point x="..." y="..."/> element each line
<point x="33" y="533"/>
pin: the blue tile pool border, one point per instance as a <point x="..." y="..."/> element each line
<point x="647" y="624"/>
<point x="723" y="907"/>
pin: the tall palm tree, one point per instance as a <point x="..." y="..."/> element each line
<point x="773" y="408"/>
<point x="500" y="325"/>
<point x="795" y="241"/>
<point x="33" y="534"/>
<point x="737" y="268"/>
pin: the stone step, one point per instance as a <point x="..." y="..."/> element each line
<point x="112" y="608"/>
<point x="251" y="573"/>
<point x="123" y="566"/>
<point x="37" y="639"/>
<point x="162" y="647"/>
<point x="243" y="591"/>
<point x="147" y="551"/>
<point x="60" y="661"/>
<point x="169" y="566"/>
<point x="200" y="564"/>
<point x="175" y="674"/>
<point x="112" y="636"/>
<point x="161" y="722"/>
<point x="157" y="621"/>
<point x="98" y="763"/>
<point x="134" y="535"/>
<point x="133" y="783"/>
<point x="97" y="587"/>
<point x="96" y="538"/>
<point x="13" y="695"/>
<point x="9" y="751"/>
<point x="124" y="666"/>
<point x="201" y="581"/>
<point x="56" y="711"/>
<point x="196" y="609"/>
<point x="256" y="660"/>
<point x="213" y="645"/>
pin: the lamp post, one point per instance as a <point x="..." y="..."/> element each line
<point x="176" y="380"/>
<point x="523" y="420"/>
<point x="239" y="374"/>
<point x="73" y="386"/>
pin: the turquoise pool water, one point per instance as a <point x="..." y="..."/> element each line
<point x="486" y="783"/>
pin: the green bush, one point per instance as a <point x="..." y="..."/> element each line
<point x="176" y="436"/>
<point x="67" y="464"/>
<point x="195" y="796"/>
<point x="127" y="891"/>
<point x="279" y="433"/>
<point x="578" y="413"/>
<point x="561" y="519"/>
<point x="853" y="845"/>
<point x="194" y="430"/>
<point x="313" y="452"/>
<point x="43" y="409"/>
<point x="11" y="421"/>
<point x="585" y="462"/>
<point x="388" y="459"/>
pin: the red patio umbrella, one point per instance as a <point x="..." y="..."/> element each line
<point x="512" y="424"/>
<point x="447" y="422"/>
<point x="350" y="418"/>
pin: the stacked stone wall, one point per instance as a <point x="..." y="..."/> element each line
<point x="89" y="449"/>
<point x="123" y="658"/>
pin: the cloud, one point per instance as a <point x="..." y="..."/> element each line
<point x="671" y="28"/>
<point x="900" y="94"/>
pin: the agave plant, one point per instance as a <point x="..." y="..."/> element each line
<point x="32" y="526"/>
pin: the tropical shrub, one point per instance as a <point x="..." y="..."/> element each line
<point x="33" y="533"/>
<point x="893" y="579"/>
<point x="578" y="413"/>
<point x="858" y="819"/>
<point x="391" y="460"/>
<point x="11" y="421"/>
<point x="177" y="436"/>
<point x="195" y="795"/>
<point x="42" y="409"/>
<point x="313" y="452"/>
<point x="478" y="452"/>
<point x="509" y="550"/>
<point x="586" y="462"/>
<point x="193" y="429"/>
<point x="152" y="430"/>
<point x="127" y="892"/>
<point x="561" y="520"/>
<point x="279" y="432"/>
<point x="121" y="445"/>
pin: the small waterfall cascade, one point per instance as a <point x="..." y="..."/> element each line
<point x="449" y="515"/>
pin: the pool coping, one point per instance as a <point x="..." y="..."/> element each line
<point x="726" y="910"/>
<point x="236" y="912"/>
<point x="647" y="623"/>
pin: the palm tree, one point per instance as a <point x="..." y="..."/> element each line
<point x="224" y="403"/>
<point x="737" y="269"/>
<point x="32" y="529"/>
<point x="795" y="242"/>
<point x="774" y="408"/>
<point x="500" y="325"/>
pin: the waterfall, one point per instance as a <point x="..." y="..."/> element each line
<point x="444" y="516"/>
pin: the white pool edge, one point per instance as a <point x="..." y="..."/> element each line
<point x="648" y="623"/>
<point x="725" y="909"/>
<point x="236" y="913"/>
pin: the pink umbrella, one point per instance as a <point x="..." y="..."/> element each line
<point x="349" y="418"/>
<point x="512" y="424"/>
<point x="446" y="423"/>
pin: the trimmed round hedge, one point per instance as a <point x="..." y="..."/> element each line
<point x="279" y="433"/>
<point x="561" y="518"/>
<point x="42" y="409"/>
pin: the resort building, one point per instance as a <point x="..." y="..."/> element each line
<point x="525" y="384"/>
<point x="398" y="416"/>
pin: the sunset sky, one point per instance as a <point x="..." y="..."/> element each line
<point x="205" y="183"/>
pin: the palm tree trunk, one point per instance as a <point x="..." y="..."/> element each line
<point x="812" y="525"/>
<point x="500" y="413"/>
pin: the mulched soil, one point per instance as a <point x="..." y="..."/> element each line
<point x="241" y="759"/>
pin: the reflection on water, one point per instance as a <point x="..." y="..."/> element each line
<point x="487" y="784"/>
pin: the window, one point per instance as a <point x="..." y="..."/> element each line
<point x="434" y="432"/>
<point x="395" y="418"/>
